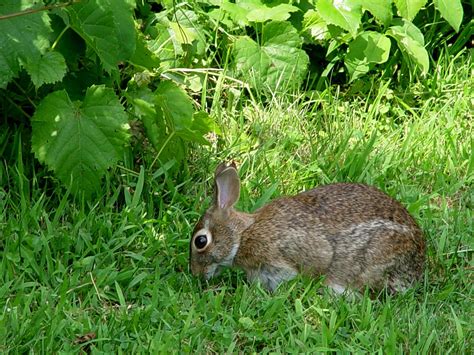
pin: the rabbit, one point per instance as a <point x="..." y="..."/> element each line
<point x="353" y="234"/>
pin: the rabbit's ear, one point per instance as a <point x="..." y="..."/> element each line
<point x="227" y="186"/>
<point x="222" y="166"/>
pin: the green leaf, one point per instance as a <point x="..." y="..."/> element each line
<point x="298" y="307"/>
<point x="142" y="101"/>
<point x="408" y="9"/>
<point x="346" y="14"/>
<point x="120" y="296"/>
<point x="203" y="123"/>
<point x="246" y="322"/>
<point x="175" y="104"/>
<point x="452" y="11"/>
<point x="367" y="49"/>
<point x="176" y="43"/>
<point x="276" y="13"/>
<point x="411" y="42"/>
<point x="221" y="16"/>
<point x="49" y="68"/>
<point x="164" y="138"/>
<point x="22" y="38"/>
<point x="80" y="140"/>
<point x="188" y="25"/>
<point x="408" y="29"/>
<point x="315" y="25"/>
<point x="245" y="11"/>
<point x="181" y="34"/>
<point x="124" y="25"/>
<point x="168" y="118"/>
<point x="236" y="13"/>
<point x="380" y="9"/>
<point x="143" y="56"/>
<point x="163" y="46"/>
<point x="178" y="112"/>
<point x="277" y="59"/>
<point x="107" y="27"/>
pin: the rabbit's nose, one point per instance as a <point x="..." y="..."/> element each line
<point x="193" y="269"/>
<point x="197" y="269"/>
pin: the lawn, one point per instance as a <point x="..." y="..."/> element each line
<point x="111" y="275"/>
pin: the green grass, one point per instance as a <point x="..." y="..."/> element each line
<point x="118" y="267"/>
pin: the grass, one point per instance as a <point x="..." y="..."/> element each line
<point x="111" y="275"/>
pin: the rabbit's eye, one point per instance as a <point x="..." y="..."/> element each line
<point x="200" y="241"/>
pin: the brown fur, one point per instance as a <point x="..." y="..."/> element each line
<point x="354" y="234"/>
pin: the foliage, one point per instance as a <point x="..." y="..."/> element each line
<point x="80" y="140"/>
<point x="347" y="30"/>
<point x="87" y="50"/>
<point x="152" y="59"/>
<point x="277" y="58"/>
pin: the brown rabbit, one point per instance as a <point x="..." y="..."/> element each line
<point x="353" y="234"/>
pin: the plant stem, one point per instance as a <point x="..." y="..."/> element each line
<point x="59" y="37"/>
<point x="161" y="150"/>
<point x="18" y="107"/>
<point x="32" y="11"/>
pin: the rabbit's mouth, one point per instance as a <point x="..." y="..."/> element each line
<point x="212" y="270"/>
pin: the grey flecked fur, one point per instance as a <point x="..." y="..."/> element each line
<point x="354" y="234"/>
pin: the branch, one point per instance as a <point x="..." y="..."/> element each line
<point x="43" y="8"/>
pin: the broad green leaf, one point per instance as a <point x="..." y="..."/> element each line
<point x="276" y="13"/>
<point x="22" y="38"/>
<point x="80" y="140"/>
<point x="380" y="9"/>
<point x="107" y="27"/>
<point x="169" y="119"/>
<point x="181" y="34"/>
<point x="222" y="16"/>
<point x="315" y="25"/>
<point x="409" y="29"/>
<point x="367" y="49"/>
<point x="49" y="68"/>
<point x="245" y="11"/>
<point x="411" y="42"/>
<point x="452" y="11"/>
<point x="277" y="61"/>
<point x="172" y="41"/>
<point x="346" y="14"/>
<point x="164" y="47"/>
<point x="124" y="24"/>
<point x="143" y="56"/>
<point x="155" y="129"/>
<point x="175" y="104"/>
<point x="204" y="123"/>
<point x="186" y="29"/>
<point x="178" y="112"/>
<point x="408" y="9"/>
<point x="163" y="137"/>
<point x="236" y="13"/>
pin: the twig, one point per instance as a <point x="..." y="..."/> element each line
<point x="18" y="107"/>
<point x="32" y="11"/>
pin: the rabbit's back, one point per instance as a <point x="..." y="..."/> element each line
<point x="353" y="233"/>
<point x="345" y="204"/>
